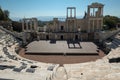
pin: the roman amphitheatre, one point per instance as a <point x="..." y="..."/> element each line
<point x="74" y="49"/>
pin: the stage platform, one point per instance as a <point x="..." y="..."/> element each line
<point x="61" y="48"/>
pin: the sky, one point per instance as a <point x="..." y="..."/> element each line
<point x="36" y="8"/>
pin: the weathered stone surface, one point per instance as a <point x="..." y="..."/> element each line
<point x="100" y="69"/>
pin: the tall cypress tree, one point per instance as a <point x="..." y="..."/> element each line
<point x="4" y="15"/>
<point x="1" y="14"/>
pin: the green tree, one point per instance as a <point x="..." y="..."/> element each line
<point x="1" y="14"/>
<point x="17" y="26"/>
<point x="4" y="15"/>
<point x="111" y="21"/>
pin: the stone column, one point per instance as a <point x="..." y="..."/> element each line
<point x="70" y="12"/>
<point x="88" y="11"/>
<point x="23" y="25"/>
<point x="26" y="24"/>
<point x="67" y="13"/>
<point x="24" y="38"/>
<point x="34" y="25"/>
<point x="88" y="25"/>
<point x="93" y="25"/>
<point x="94" y="12"/>
<point x="101" y="11"/>
<point x="74" y="25"/>
<point x="97" y="25"/>
<point x="75" y="13"/>
<point x="101" y="23"/>
<point x="38" y="37"/>
<point x="67" y="24"/>
<point x="30" y="24"/>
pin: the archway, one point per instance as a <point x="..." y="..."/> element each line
<point x="62" y="28"/>
<point x="61" y="37"/>
<point x="76" y="37"/>
<point x="47" y="37"/>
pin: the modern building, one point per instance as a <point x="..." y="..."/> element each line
<point x="72" y="28"/>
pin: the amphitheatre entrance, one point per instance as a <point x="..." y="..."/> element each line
<point x="61" y="52"/>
